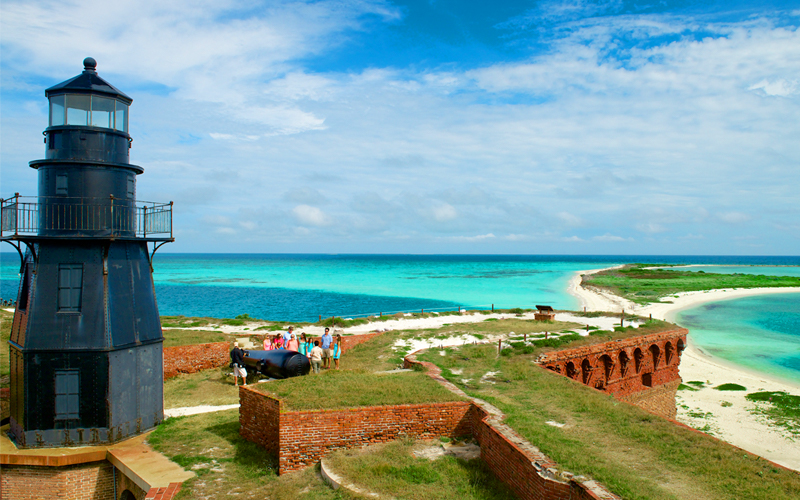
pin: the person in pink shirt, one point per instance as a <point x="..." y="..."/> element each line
<point x="267" y="343"/>
<point x="293" y="344"/>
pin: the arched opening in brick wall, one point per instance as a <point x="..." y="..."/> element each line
<point x="586" y="369"/>
<point x="571" y="371"/>
<point x="624" y="361"/>
<point x="608" y="366"/>
<point x="668" y="353"/>
<point x="655" y="354"/>
<point x="638" y="356"/>
<point x="681" y="346"/>
<point x="127" y="495"/>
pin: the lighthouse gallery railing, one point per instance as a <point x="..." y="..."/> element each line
<point x="65" y="216"/>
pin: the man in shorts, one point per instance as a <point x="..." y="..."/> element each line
<point x="327" y="352"/>
<point x="237" y="362"/>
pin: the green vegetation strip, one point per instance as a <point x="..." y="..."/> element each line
<point x="782" y="408"/>
<point x="392" y="470"/>
<point x="634" y="453"/>
<point x="347" y="389"/>
<point x="638" y="284"/>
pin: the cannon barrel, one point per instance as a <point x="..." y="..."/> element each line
<point x="279" y="363"/>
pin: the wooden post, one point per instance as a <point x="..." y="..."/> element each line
<point x="423" y="311"/>
<point x="545" y="335"/>
<point x="381" y="314"/>
<point x="492" y="307"/>
<point x="320" y="318"/>
<point x="587" y="328"/>
<point x="524" y="337"/>
<point x="499" y="345"/>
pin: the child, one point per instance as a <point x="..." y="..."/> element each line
<point x="316" y="356"/>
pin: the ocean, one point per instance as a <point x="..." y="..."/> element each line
<point x="294" y="287"/>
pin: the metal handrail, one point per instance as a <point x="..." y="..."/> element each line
<point x="72" y="216"/>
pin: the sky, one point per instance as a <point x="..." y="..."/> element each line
<point x="464" y="127"/>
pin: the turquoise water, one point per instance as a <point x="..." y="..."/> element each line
<point x="761" y="333"/>
<point x="303" y="287"/>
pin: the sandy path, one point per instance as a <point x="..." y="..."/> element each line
<point x="703" y="409"/>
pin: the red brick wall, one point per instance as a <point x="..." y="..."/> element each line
<point x="304" y="437"/>
<point x="194" y="358"/>
<point x="351" y="341"/>
<point x="92" y="481"/>
<point x="259" y="418"/>
<point x="531" y="474"/>
<point x="626" y="368"/>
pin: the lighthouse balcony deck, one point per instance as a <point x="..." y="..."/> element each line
<point x="35" y="217"/>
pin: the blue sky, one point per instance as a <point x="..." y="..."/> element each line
<point x="526" y="127"/>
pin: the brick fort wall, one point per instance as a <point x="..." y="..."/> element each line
<point x="194" y="358"/>
<point x="640" y="370"/>
<point x="304" y="437"/>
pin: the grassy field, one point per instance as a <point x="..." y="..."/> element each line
<point x="644" y="286"/>
<point x="346" y="389"/>
<point x="208" y="387"/>
<point x="228" y="466"/>
<point x="6" y="318"/>
<point x="391" y="470"/>
<point x="635" y="454"/>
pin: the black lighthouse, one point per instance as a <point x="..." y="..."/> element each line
<point x="86" y="341"/>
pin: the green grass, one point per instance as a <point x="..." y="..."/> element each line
<point x="634" y="453"/>
<point x="644" y="286"/>
<point x="392" y="470"/>
<point x="228" y="466"/>
<point x="208" y="387"/>
<point x="346" y="389"/>
<point x="782" y="408"/>
<point x="174" y="338"/>
<point x="730" y="387"/>
<point x="6" y="318"/>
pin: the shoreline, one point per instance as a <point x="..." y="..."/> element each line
<point x="726" y="415"/>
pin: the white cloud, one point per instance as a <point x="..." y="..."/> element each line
<point x="779" y="87"/>
<point x="444" y="212"/>
<point x="610" y="238"/>
<point x="734" y="217"/>
<point x="310" y="216"/>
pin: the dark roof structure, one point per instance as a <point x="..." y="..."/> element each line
<point x="88" y="82"/>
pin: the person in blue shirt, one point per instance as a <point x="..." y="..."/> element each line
<point x="327" y="353"/>
<point x="287" y="336"/>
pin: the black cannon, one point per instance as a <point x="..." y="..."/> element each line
<point x="278" y="363"/>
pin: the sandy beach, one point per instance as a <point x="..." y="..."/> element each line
<point x="726" y="415"/>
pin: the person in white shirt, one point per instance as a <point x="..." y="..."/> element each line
<point x="316" y="356"/>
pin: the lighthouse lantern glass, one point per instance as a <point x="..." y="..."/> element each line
<point x="102" y="112"/>
<point x="57" y="110"/>
<point x="78" y="107"/>
<point x="122" y="117"/>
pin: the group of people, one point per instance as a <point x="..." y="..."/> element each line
<point x="320" y="352"/>
<point x="328" y="347"/>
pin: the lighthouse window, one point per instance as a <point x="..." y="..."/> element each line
<point x="102" y="112"/>
<point x="67" y="395"/>
<point x="70" y="281"/>
<point x="57" y="110"/>
<point x="78" y="107"/>
<point x="61" y="184"/>
<point x="122" y="117"/>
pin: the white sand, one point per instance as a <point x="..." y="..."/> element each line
<point x="703" y="409"/>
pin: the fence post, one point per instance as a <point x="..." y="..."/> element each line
<point x="170" y="220"/>
<point x="144" y="221"/>
<point x="499" y="345"/>
<point x="492" y="307"/>
<point x="112" y="214"/>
